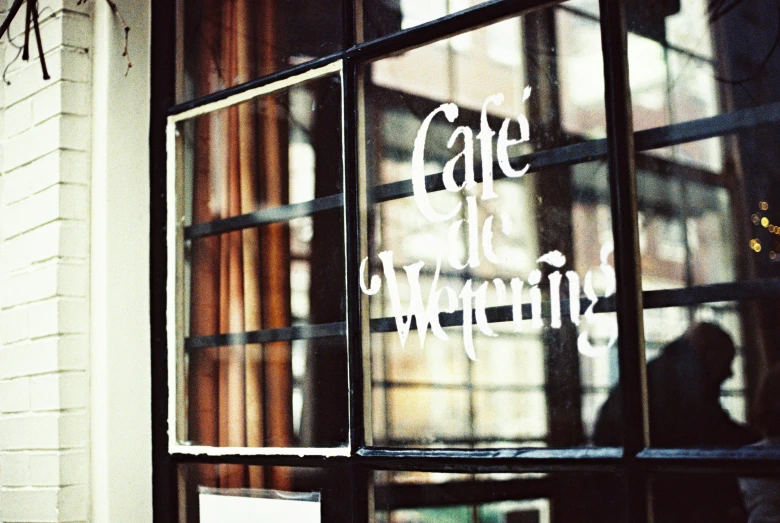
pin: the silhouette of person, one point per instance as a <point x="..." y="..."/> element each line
<point x="684" y="407"/>
<point x="762" y="495"/>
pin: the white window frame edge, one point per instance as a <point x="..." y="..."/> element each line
<point x="174" y="285"/>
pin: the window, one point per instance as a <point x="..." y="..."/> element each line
<point x="418" y="253"/>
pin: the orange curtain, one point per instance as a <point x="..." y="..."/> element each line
<point x="239" y="395"/>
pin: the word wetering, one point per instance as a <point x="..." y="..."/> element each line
<point x="472" y="298"/>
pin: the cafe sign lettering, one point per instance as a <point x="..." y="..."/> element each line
<point x="472" y="297"/>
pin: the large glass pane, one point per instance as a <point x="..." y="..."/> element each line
<point x="264" y="361"/>
<point x="457" y="222"/>
<point x="230" y="42"/>
<point x="708" y="203"/>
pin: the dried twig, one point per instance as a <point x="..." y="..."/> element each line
<point x="32" y="18"/>
<point x="126" y="28"/>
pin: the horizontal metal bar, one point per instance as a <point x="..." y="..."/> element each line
<point x="297" y="332"/>
<point x="720" y="125"/>
<point x="457" y="386"/>
<point x="558" y="157"/>
<point x="462" y="442"/>
<point x="754" y="461"/>
<point x="493" y="460"/>
<point x="652" y="300"/>
<point x="477" y="387"/>
<point x="701" y="294"/>
<point x="716" y="292"/>
<point x="264" y="217"/>
<point x="745" y="461"/>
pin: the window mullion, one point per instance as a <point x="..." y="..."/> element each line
<point x="623" y="190"/>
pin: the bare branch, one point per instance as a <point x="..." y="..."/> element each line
<point x="125" y="28"/>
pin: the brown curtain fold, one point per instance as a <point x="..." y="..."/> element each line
<point x="204" y="313"/>
<point x="240" y="395"/>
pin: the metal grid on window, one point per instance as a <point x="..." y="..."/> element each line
<point x="635" y="461"/>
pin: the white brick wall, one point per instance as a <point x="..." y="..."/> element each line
<point x="44" y="273"/>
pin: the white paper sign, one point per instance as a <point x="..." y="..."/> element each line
<point x="255" y="506"/>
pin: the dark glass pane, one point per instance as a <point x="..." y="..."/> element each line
<point x="230" y="42"/>
<point x="412" y="497"/>
<point x="708" y="209"/>
<point x="715" y="497"/>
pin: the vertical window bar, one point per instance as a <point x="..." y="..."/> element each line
<point x="358" y="476"/>
<point x="623" y="191"/>
<point x="163" y="78"/>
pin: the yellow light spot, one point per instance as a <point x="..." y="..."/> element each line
<point x="752" y="243"/>
<point x="764" y="206"/>
<point x="755" y="218"/>
<point x="757" y="247"/>
<point x="764" y="221"/>
<point x="772" y="255"/>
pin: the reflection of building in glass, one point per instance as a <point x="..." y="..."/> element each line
<point x="434" y="395"/>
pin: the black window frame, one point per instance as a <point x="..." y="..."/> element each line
<point x="636" y="460"/>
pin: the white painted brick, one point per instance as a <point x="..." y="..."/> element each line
<point x="58" y="166"/>
<point x="75" y="132"/>
<point x="15" y="469"/>
<point x="15" y="395"/>
<point x="65" y="63"/>
<point x="73" y="503"/>
<point x="67" y="201"/>
<point x="17" y="118"/>
<point x="73" y="353"/>
<point x="30" y="432"/>
<point x="16" y="185"/>
<point x="44" y="318"/>
<point x="58" y="316"/>
<point x="56" y="239"/>
<point x="44" y="356"/>
<point x="72" y="279"/>
<point x="37" y="283"/>
<point x="68" y="5"/>
<point x="44" y="469"/>
<point x="61" y="98"/>
<point x="74" y="167"/>
<point x="44" y="431"/>
<point x="29" y="504"/>
<point x="55" y="469"/>
<point x="44" y="281"/>
<point x="63" y="131"/>
<point x="32" y="144"/>
<point x="14" y="324"/>
<point x="67" y="390"/>
<point x="57" y="29"/>
<point x="74" y="430"/>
